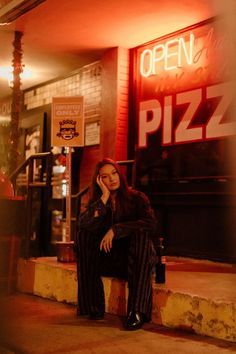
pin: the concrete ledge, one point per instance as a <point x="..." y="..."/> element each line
<point x="202" y="302"/>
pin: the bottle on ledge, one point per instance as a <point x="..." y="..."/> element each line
<point x="161" y="263"/>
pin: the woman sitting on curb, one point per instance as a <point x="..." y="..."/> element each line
<point x="115" y="239"/>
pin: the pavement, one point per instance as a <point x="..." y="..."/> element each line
<point x="198" y="296"/>
<point x="33" y="325"/>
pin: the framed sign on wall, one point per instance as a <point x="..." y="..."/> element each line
<point x="92" y="133"/>
<point x="67" y="125"/>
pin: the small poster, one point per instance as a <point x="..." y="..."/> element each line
<point x="92" y="133"/>
<point x="67" y="127"/>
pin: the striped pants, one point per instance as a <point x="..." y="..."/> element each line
<point x="131" y="257"/>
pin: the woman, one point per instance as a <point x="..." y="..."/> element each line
<point x="115" y="238"/>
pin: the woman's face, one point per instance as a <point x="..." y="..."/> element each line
<point x="110" y="177"/>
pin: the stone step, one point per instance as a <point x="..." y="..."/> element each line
<point x="198" y="296"/>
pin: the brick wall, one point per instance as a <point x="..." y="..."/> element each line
<point x="122" y="105"/>
<point x="114" y="124"/>
<point x="85" y="82"/>
<point x="104" y="86"/>
<point x="91" y="89"/>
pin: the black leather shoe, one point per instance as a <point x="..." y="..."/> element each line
<point x="134" y="321"/>
<point x="96" y="315"/>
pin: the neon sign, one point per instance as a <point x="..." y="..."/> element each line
<point x="173" y="54"/>
<point x="183" y="88"/>
<point x="152" y="114"/>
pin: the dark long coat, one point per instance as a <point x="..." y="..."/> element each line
<point x="132" y="255"/>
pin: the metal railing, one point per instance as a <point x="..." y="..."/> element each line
<point x="77" y="197"/>
<point x="43" y="181"/>
<point x="133" y="169"/>
<point x="29" y="162"/>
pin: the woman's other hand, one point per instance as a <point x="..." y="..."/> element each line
<point x="104" y="189"/>
<point x="106" y="243"/>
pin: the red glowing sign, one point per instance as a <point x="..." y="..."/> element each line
<point x="178" y="79"/>
<point x="184" y="131"/>
<point x="173" y="54"/>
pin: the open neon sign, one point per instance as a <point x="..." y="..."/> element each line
<point x="174" y="54"/>
<point x="185" y="74"/>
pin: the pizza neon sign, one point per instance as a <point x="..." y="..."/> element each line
<point x="178" y="79"/>
<point x="184" y="132"/>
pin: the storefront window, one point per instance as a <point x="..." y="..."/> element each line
<point x="183" y="107"/>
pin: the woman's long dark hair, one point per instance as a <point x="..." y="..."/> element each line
<point x="123" y="192"/>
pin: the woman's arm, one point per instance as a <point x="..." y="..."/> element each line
<point x="92" y="218"/>
<point x="145" y="219"/>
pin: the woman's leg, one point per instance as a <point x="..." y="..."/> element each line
<point x="133" y="258"/>
<point x="141" y="260"/>
<point x="90" y="286"/>
<point x="115" y="263"/>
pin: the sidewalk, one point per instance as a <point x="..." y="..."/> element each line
<point x="40" y="326"/>
<point x="199" y="296"/>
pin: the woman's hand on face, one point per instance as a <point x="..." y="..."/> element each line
<point x="106" y="243"/>
<point x="104" y="189"/>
